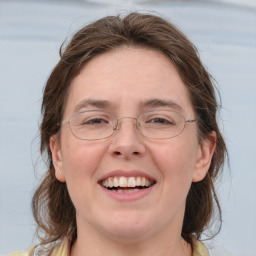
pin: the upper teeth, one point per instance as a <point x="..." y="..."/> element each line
<point x="126" y="182"/>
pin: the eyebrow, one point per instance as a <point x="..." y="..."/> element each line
<point x="150" y="103"/>
<point x="153" y="103"/>
<point x="93" y="103"/>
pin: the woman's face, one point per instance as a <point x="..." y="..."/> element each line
<point x="126" y="82"/>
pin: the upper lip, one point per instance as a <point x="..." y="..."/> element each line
<point x="128" y="173"/>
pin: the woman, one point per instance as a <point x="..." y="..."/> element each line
<point x="130" y="133"/>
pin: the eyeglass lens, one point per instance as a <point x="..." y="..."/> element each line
<point x="96" y="125"/>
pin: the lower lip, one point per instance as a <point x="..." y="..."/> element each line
<point x="131" y="196"/>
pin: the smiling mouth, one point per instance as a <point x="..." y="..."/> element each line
<point x="126" y="184"/>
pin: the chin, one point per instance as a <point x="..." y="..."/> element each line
<point x="128" y="228"/>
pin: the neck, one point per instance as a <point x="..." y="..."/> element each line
<point x="93" y="243"/>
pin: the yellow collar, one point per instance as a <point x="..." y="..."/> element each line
<point x="200" y="249"/>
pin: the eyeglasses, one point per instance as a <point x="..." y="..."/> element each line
<point x="98" y="125"/>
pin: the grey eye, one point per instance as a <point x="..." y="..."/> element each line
<point x="159" y="120"/>
<point x="96" y="121"/>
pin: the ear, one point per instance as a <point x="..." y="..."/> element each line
<point x="204" y="157"/>
<point x="57" y="157"/>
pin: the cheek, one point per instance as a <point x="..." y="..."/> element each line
<point x="176" y="163"/>
<point x="80" y="161"/>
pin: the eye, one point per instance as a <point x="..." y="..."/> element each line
<point x="95" y="121"/>
<point x="160" y="120"/>
<point x="91" y="119"/>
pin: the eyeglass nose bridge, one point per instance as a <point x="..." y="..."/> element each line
<point x="115" y="128"/>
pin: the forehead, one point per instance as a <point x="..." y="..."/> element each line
<point x="126" y="77"/>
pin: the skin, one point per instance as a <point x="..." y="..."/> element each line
<point x="152" y="225"/>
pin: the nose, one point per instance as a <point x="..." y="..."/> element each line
<point x="127" y="142"/>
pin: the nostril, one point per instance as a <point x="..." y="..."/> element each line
<point x="118" y="153"/>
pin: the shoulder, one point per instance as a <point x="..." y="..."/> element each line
<point x="200" y="249"/>
<point x="29" y="252"/>
<point x="61" y="249"/>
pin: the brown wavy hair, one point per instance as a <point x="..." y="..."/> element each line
<point x="52" y="207"/>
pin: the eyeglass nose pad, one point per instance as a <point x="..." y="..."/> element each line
<point x="137" y="126"/>
<point x="115" y="127"/>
